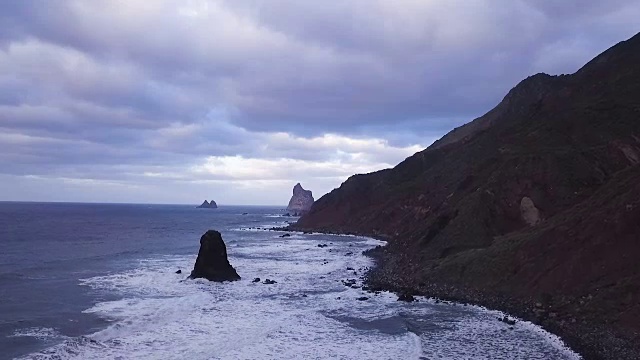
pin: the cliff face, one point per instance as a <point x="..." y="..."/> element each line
<point x="300" y="202"/>
<point x="537" y="200"/>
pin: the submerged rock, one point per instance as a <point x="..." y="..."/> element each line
<point x="349" y="282"/>
<point x="406" y="297"/>
<point x="507" y="320"/>
<point x="212" y="263"/>
<point x="300" y="202"/>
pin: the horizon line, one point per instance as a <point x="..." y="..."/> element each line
<point x="125" y="203"/>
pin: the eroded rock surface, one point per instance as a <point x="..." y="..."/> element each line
<point x="300" y="202"/>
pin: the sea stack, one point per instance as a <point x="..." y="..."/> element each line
<point x="300" y="202"/>
<point x="208" y="205"/>
<point x="212" y="263"/>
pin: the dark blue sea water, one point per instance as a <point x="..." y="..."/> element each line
<point x="97" y="281"/>
<point x="46" y="248"/>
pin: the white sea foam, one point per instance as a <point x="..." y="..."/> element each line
<point x="307" y="314"/>
<point x="41" y="333"/>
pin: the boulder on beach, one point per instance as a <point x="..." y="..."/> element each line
<point x="300" y="202"/>
<point x="208" y="205"/>
<point x="212" y="263"/>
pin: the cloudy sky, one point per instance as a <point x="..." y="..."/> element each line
<point x="177" y="101"/>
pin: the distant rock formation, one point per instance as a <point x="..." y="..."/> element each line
<point x="300" y="202"/>
<point x="208" y="205"/>
<point x="212" y="263"/>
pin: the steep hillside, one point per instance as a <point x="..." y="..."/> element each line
<point x="536" y="202"/>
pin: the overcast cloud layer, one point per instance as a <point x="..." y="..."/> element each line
<point x="177" y="101"/>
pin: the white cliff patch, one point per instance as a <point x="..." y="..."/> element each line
<point x="529" y="211"/>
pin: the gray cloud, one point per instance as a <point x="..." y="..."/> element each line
<point x="110" y="91"/>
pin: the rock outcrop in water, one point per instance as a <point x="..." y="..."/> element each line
<point x="212" y="263"/>
<point x="208" y="205"/>
<point x="536" y="202"/>
<point x="300" y="202"/>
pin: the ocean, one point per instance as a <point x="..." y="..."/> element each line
<point x="98" y="281"/>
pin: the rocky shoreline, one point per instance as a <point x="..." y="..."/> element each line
<point x="593" y="340"/>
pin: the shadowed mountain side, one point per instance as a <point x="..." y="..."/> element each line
<point x="534" y="200"/>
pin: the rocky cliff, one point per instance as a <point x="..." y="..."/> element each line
<point x="300" y="202"/>
<point x="531" y="208"/>
<point x="212" y="263"/>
